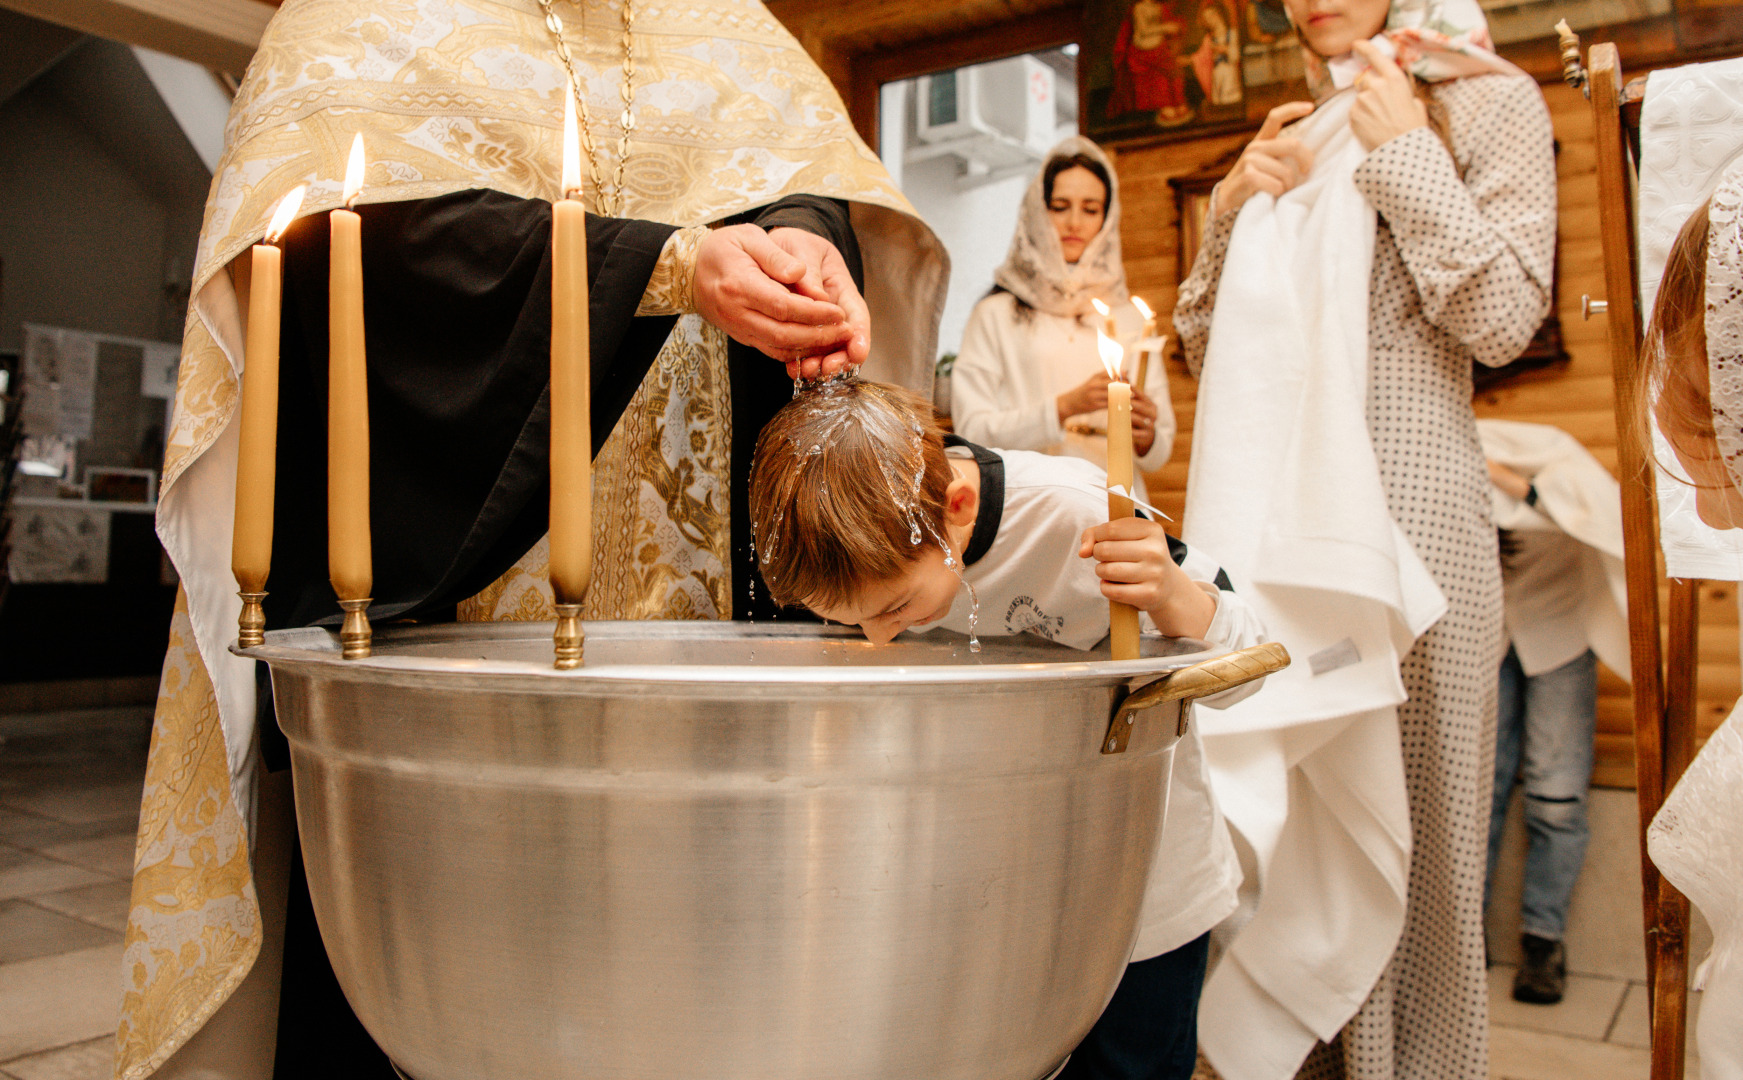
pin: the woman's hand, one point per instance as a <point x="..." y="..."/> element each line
<point x="1135" y="568"/>
<point x="1091" y="395"/>
<point x="1269" y="164"/>
<point x="1144" y="414"/>
<point x="769" y="298"/>
<point x="1386" y="102"/>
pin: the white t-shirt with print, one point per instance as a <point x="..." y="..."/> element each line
<point x="1030" y="579"/>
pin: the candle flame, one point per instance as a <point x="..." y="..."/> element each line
<point x="1112" y="354"/>
<point x="1143" y="308"/>
<point x="571" y="146"/>
<point x="1101" y="308"/>
<point x="354" y="170"/>
<point x="286" y="213"/>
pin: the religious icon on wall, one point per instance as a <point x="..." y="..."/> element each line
<point x="1177" y="68"/>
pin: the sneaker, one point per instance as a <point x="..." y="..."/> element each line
<point x="1542" y="976"/>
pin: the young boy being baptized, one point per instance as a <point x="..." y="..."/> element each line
<point x="864" y="512"/>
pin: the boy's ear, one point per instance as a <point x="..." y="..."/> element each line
<point x="961" y="503"/>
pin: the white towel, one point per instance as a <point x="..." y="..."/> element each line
<point x="1578" y="496"/>
<point x="1688" y="133"/>
<point x="1286" y="489"/>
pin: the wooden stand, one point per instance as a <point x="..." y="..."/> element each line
<point x="1663" y="677"/>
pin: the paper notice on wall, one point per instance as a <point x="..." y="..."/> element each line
<point x="60" y="381"/>
<point x="157" y="377"/>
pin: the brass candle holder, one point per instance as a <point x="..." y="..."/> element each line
<point x="251" y="624"/>
<point x="570" y="637"/>
<point x="356" y="636"/>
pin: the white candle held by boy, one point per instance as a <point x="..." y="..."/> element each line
<point x="1122" y="618"/>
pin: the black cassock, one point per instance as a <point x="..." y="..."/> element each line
<point x="457" y="312"/>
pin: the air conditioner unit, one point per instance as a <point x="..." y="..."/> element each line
<point x="1010" y="99"/>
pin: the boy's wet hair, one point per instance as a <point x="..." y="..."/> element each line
<point x="847" y="490"/>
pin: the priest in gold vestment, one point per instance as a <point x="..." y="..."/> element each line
<point x="700" y="113"/>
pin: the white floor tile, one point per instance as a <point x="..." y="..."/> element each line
<point x="55" y="1001"/>
<point x="1585" y="1012"/>
<point x="23" y="873"/>
<point x="1515" y="1054"/>
<point x="105" y="904"/>
<point x="1633" y="1023"/>
<point x="92" y="1060"/>
<point x="112" y="855"/>
<point x="76" y="804"/>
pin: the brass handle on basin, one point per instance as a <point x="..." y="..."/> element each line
<point x="1199" y="680"/>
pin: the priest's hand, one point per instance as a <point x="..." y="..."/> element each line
<point x="768" y="298"/>
<point x="826" y="271"/>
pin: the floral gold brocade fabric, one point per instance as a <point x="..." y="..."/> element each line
<point x="730" y="114"/>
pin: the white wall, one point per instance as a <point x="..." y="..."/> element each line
<point x="102" y="194"/>
<point x="975" y="226"/>
<point x="974" y="222"/>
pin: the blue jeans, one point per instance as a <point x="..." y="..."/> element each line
<point x="1149" y="1031"/>
<point x="1544" y="739"/>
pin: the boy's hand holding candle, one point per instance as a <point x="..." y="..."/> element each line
<point x="1137" y="571"/>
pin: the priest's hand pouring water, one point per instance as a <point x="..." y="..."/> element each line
<point x="786" y="292"/>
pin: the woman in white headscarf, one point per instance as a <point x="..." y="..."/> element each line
<point x="1694" y="369"/>
<point x="1453" y="155"/>
<point x="1029" y="375"/>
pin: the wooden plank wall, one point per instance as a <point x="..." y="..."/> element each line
<point x="1576" y="397"/>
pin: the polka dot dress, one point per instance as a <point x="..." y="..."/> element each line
<point x="1462" y="267"/>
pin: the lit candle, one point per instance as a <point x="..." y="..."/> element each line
<point x="1122" y="618"/>
<point x="1107" y="319"/>
<point x="571" y="428"/>
<point x="1144" y="348"/>
<point x="348" y="549"/>
<point x="257" y="434"/>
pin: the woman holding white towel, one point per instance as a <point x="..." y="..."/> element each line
<point x="1460" y="168"/>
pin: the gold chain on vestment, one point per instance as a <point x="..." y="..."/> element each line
<point x="610" y="205"/>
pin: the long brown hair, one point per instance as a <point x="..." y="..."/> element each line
<point x="1672" y="382"/>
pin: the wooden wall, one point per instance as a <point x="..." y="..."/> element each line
<point x="1576" y="398"/>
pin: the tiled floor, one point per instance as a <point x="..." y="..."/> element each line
<point x="69" y="799"/>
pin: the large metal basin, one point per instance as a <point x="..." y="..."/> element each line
<point x="721" y="850"/>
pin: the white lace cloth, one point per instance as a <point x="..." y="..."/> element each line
<point x="1688" y="135"/>
<point x="1697" y="841"/>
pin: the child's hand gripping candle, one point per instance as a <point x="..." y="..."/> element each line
<point x="1122" y="618"/>
<point x="257" y="434"/>
<point x="349" y="563"/>
<point x="571" y="421"/>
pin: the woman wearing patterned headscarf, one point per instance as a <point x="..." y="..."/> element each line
<point x="1456" y="157"/>
<point x="1029" y="376"/>
<point x="1694" y="372"/>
